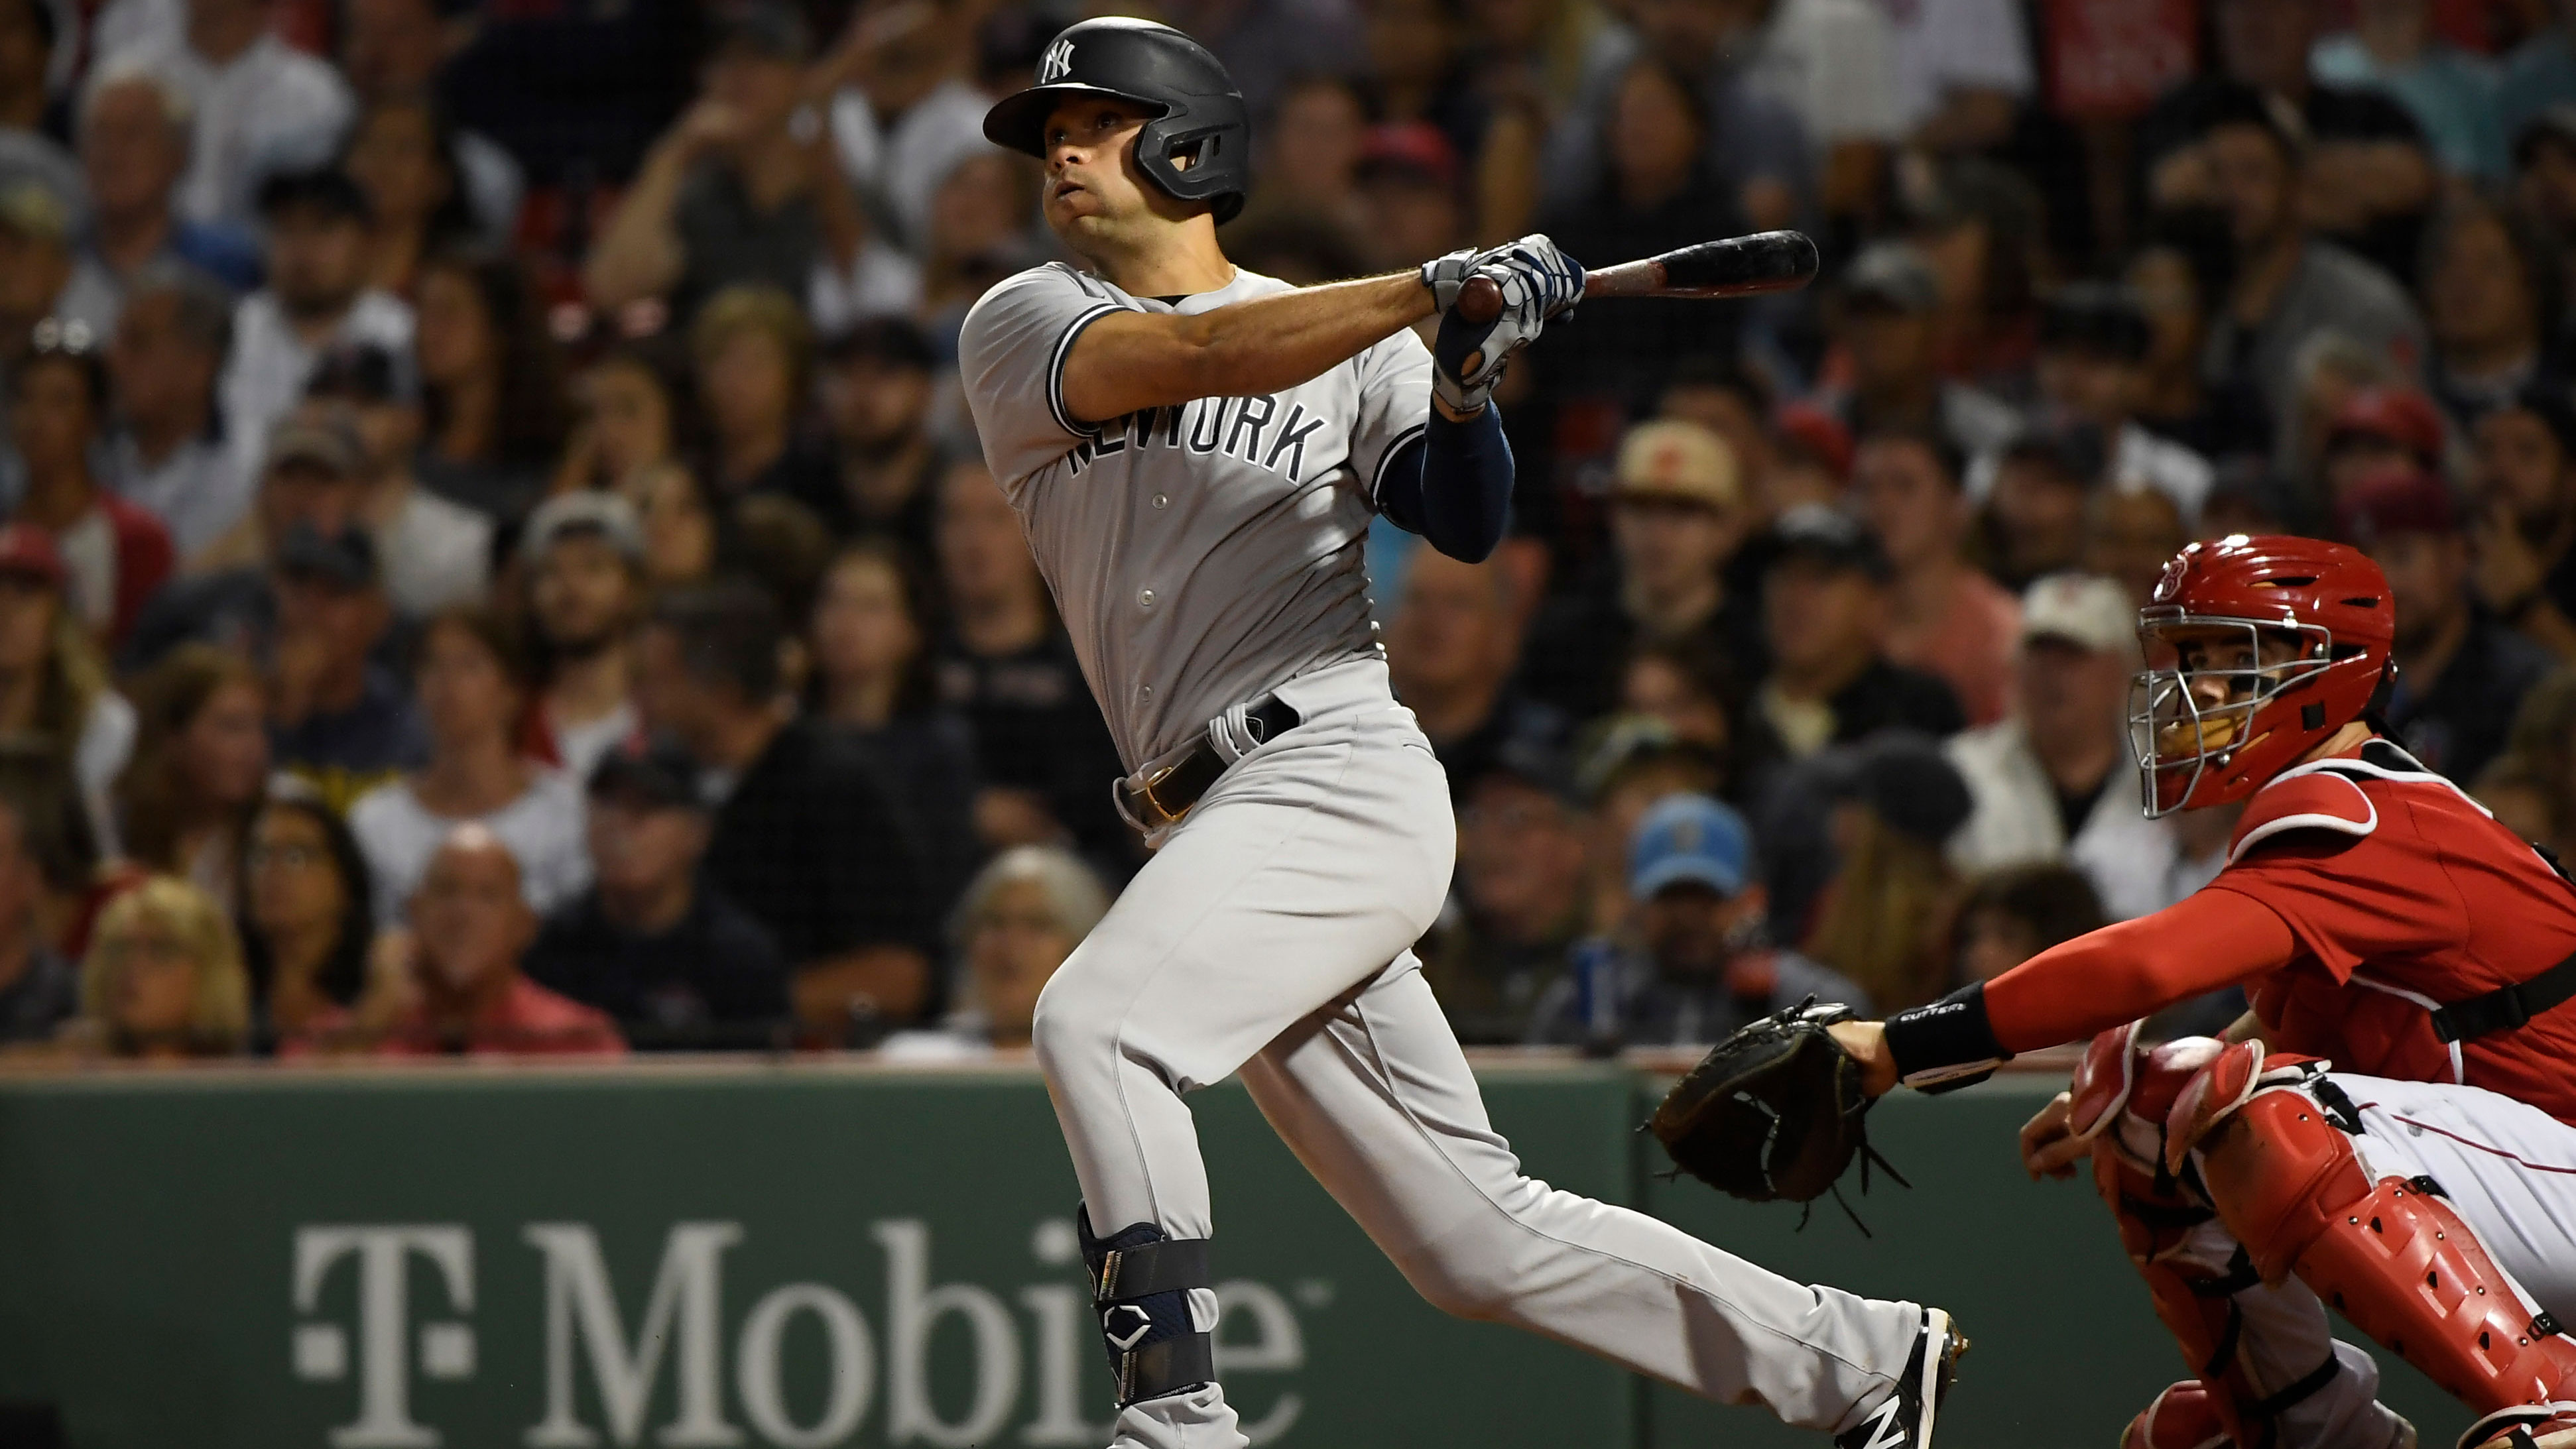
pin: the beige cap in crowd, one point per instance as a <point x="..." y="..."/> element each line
<point x="1668" y="458"/>
<point x="2086" y="610"/>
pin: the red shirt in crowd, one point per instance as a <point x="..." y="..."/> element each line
<point x="526" y="1020"/>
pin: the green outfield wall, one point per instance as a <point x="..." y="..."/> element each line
<point x="802" y="1256"/>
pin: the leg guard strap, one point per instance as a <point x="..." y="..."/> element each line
<point x="1140" y="1286"/>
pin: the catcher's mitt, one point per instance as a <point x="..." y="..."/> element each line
<point x="1774" y="1111"/>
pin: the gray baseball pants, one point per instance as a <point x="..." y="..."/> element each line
<point x="1270" y="936"/>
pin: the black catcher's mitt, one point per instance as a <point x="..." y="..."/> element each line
<point x="1774" y="1111"/>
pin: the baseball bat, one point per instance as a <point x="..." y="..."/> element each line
<point x="1738" y="266"/>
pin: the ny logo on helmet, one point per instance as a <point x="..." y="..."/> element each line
<point x="1056" y="64"/>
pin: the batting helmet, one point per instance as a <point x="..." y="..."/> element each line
<point x="1152" y="65"/>
<point x="2259" y="649"/>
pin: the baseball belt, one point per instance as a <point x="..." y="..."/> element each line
<point x="1164" y="790"/>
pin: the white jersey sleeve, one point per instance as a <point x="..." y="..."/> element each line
<point x="1394" y="404"/>
<point x="1011" y="358"/>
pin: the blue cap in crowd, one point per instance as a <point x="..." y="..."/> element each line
<point x="1689" y="838"/>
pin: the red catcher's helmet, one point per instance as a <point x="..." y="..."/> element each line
<point x="2287" y="640"/>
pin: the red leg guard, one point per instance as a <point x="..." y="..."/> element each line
<point x="2191" y="1301"/>
<point x="2184" y="1416"/>
<point x="2393" y="1258"/>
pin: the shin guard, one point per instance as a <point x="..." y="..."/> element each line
<point x="1140" y="1287"/>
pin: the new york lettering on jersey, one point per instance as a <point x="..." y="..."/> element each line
<point x="1237" y="427"/>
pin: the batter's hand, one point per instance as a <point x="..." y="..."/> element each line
<point x="1444" y="275"/>
<point x="2049" y="1148"/>
<point x="1537" y="281"/>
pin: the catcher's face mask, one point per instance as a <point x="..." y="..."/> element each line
<point x="2207" y="695"/>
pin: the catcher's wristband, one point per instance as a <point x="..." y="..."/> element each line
<point x="1946" y="1045"/>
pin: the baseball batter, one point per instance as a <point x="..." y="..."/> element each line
<point x="2393" y="1127"/>
<point x="1196" y="452"/>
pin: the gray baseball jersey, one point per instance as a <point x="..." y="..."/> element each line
<point x="1201" y="554"/>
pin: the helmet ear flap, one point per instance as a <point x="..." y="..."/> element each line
<point x="2382" y="694"/>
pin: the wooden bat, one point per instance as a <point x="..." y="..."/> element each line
<point x="1738" y="266"/>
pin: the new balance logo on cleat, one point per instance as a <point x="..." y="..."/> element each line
<point x="1904" y="1421"/>
<point x="1887" y="1426"/>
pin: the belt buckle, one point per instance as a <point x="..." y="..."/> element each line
<point x="1145" y="792"/>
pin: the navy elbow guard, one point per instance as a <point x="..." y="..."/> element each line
<point x="1140" y="1286"/>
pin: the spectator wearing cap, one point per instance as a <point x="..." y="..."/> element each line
<point x="2045" y="485"/>
<point x="2495" y="301"/>
<point x="1825" y="614"/>
<point x="436" y="551"/>
<point x="336" y="716"/>
<point x="804" y="837"/>
<point x="2053" y="783"/>
<point x="260" y="106"/>
<point x="2523" y="525"/>
<point x="40" y="272"/>
<point x="649" y="943"/>
<point x="2393" y="48"/>
<point x="1689" y="964"/>
<point x="2376" y="429"/>
<point x="2093" y="340"/>
<point x="54" y="683"/>
<point x="2461" y="674"/>
<point x="1944" y="617"/>
<point x="168" y="453"/>
<point x="878" y="384"/>
<point x="1451" y="646"/>
<point x="115" y="554"/>
<point x="582" y="555"/>
<point x="135" y="126"/>
<point x="313" y="471"/>
<point x="1408" y="176"/>
<point x="1005" y="664"/>
<point x="736" y="193"/>
<point x="1886" y="330"/>
<point x="1883" y="916"/>
<point x="470" y="926"/>
<point x="1677" y="519"/>
<point x="1520" y="900"/>
<point x="317" y="297"/>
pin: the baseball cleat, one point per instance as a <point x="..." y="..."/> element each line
<point x="2540" y="1426"/>
<point x="1904" y="1420"/>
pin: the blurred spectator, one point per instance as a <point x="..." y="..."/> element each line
<point x="1263" y="46"/>
<point x="317" y="295"/>
<point x="308" y="930"/>
<point x="2376" y="429"/>
<point x="470" y="676"/>
<point x="1005" y="664"/>
<point x="2451" y="94"/>
<point x="879" y="381"/>
<point x="2046" y="483"/>
<point x="2328" y="371"/>
<point x="163" y="978"/>
<point x="2013" y="914"/>
<point x="395" y="50"/>
<point x="1962" y="71"/>
<point x="1691" y="966"/>
<point x="2538" y="75"/>
<point x="1981" y="228"/>
<point x="336" y="716"/>
<point x="436" y="552"/>
<point x="2532" y="785"/>
<point x="312" y="479"/>
<point x="2179" y="279"/>
<point x="169" y="453"/>
<point x="1883" y="919"/>
<point x="2130" y="537"/>
<point x="39" y="990"/>
<point x="2544" y="161"/>
<point x="1520" y="902"/>
<point x="1736" y="403"/>
<point x="1834" y="64"/>
<point x="903" y="114"/>
<point x="30" y="117"/>
<point x="2461" y="675"/>
<point x="54" y="686"/>
<point x="135" y="126"/>
<point x="2053" y="784"/>
<point x="200" y="763"/>
<point x="1310" y="154"/>
<point x="754" y="355"/>
<point x="2524" y="530"/>
<point x="2495" y="298"/>
<point x="1409" y="196"/>
<point x="1020" y="918"/>
<point x="113" y="554"/>
<point x="1825" y="611"/>
<point x="402" y="155"/>
<point x="470" y="922"/>
<point x="1632" y="764"/>
<point x="1690" y="693"/>
<point x="744" y="189"/>
<point x="2288" y="285"/>
<point x="261" y="106"/>
<point x="1887" y="326"/>
<point x="1450" y="647"/>
<point x="1756" y="145"/>
<point x="872" y="682"/>
<point x="682" y="532"/>
<point x="805" y="839"/>
<point x="582" y="555"/>
<point x="1944" y="617"/>
<point x="1677" y="517"/>
<point x="492" y="388"/>
<point x="627" y="421"/>
<point x="979" y="234"/>
<point x="39" y="275"/>
<point x="677" y="964"/>
<point x="2093" y="340"/>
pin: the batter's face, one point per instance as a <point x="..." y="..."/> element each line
<point x="1095" y="192"/>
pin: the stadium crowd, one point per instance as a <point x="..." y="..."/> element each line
<point x="497" y="560"/>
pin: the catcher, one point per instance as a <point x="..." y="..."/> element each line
<point x="2393" y="1127"/>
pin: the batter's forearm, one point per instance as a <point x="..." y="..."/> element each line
<point x="1132" y="360"/>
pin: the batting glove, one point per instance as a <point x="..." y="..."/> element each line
<point x="1555" y="279"/>
<point x="1468" y="358"/>
<point x="1445" y="275"/>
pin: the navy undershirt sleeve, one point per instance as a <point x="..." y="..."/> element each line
<point x="1453" y="485"/>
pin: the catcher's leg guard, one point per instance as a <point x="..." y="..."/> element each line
<point x="2391" y="1255"/>
<point x="1140" y="1285"/>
